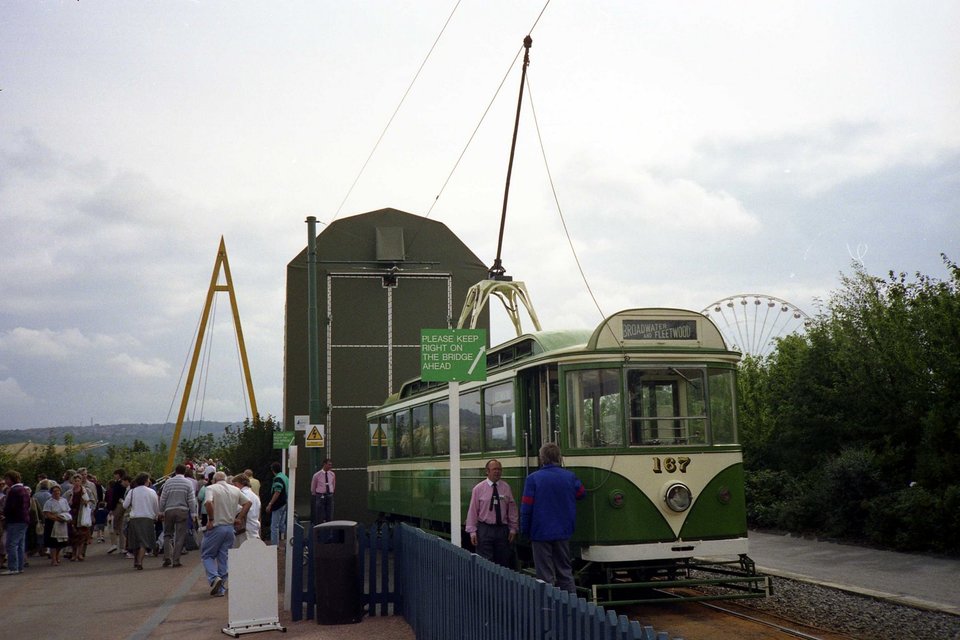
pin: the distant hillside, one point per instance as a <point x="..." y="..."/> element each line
<point x="117" y="434"/>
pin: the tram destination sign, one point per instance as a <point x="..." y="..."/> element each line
<point x="453" y="355"/>
<point x="659" y="329"/>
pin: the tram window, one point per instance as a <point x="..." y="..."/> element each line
<point x="694" y="424"/>
<point x="667" y="406"/>
<point x="594" y="409"/>
<point x="378" y="441"/>
<point x="401" y="423"/>
<point x="470" y="422"/>
<point x="387" y="451"/>
<point x="441" y="428"/>
<point x="420" y="431"/>
<point x="722" y="406"/>
<point x="499" y="423"/>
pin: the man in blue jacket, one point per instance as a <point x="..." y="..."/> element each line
<point x="548" y="512"/>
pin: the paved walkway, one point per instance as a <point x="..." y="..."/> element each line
<point x="929" y="582"/>
<point x="105" y="598"/>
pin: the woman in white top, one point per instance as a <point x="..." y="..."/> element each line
<point x="56" y="515"/>
<point x="252" y="524"/>
<point x="143" y="506"/>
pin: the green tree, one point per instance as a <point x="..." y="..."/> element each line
<point x="863" y="412"/>
<point x="250" y="446"/>
<point x="198" y="448"/>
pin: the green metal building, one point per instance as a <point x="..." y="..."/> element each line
<point x="380" y="277"/>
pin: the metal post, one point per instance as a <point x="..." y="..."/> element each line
<point x="288" y="549"/>
<point x="454" y="402"/>
<point x="313" y="331"/>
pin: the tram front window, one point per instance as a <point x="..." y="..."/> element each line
<point x="594" y="408"/>
<point x="667" y="406"/>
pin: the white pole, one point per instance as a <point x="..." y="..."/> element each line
<point x="291" y="500"/>
<point x="454" y="402"/>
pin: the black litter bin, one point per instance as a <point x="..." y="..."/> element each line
<point x="337" y="572"/>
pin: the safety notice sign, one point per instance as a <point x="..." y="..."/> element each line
<point x="314" y="436"/>
<point x="448" y="355"/>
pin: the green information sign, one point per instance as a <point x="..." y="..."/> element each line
<point x="448" y="355"/>
<point x="283" y="439"/>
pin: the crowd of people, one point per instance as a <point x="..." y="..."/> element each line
<point x="143" y="517"/>
<point x="138" y="516"/>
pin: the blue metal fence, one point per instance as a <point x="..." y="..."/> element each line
<point x="446" y="592"/>
<point x="451" y="593"/>
<point x="377" y="573"/>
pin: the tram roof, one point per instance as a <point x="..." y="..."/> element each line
<point x="552" y="340"/>
<point x="651" y="328"/>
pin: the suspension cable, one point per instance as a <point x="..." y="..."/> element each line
<point x="183" y="370"/>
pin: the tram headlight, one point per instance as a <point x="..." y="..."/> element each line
<point x="678" y="497"/>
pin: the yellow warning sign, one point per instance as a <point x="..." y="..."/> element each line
<point x="314" y="436"/>
<point x="379" y="438"/>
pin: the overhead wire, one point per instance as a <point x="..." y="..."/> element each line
<point x="483" y="116"/>
<point x="403" y="99"/>
<point x="395" y="111"/>
<point x="556" y="199"/>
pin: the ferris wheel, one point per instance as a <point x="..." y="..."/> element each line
<point x="750" y="322"/>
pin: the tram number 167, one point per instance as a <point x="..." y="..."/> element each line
<point x="671" y="465"/>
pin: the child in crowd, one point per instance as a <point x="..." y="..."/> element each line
<point x="100" y="520"/>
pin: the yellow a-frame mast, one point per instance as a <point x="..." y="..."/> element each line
<point x="214" y="287"/>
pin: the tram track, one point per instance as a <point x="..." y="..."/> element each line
<point x="708" y="621"/>
<point x="794" y="633"/>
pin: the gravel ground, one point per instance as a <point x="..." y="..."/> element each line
<point x="859" y="616"/>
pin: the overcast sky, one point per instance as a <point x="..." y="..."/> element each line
<point x="698" y="150"/>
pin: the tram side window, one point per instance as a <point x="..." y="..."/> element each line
<point x="667" y="406"/>
<point x="441" y="428"/>
<point x="499" y="422"/>
<point x="420" y="431"/>
<point x="401" y="421"/>
<point x="594" y="408"/>
<point x="722" y="406"/>
<point x="470" y="422"/>
<point x="387" y="451"/>
<point x="378" y="441"/>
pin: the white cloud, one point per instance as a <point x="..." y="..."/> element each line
<point x="639" y="202"/>
<point x="12" y="396"/>
<point x="44" y="343"/>
<point x="139" y="368"/>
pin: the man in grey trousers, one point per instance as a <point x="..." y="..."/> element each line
<point x="177" y="502"/>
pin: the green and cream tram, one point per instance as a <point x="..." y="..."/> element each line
<point x="644" y="410"/>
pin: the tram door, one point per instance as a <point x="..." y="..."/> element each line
<point x="541" y="408"/>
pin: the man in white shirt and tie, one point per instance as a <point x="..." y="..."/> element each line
<point x="322" y="488"/>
